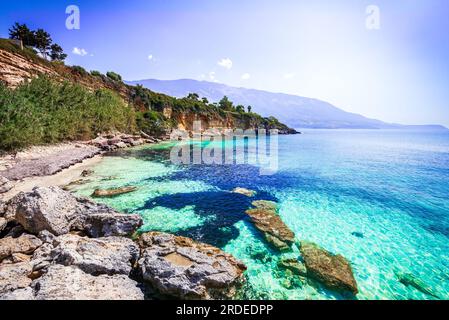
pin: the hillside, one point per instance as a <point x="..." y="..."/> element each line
<point x="38" y="97"/>
<point x="295" y="111"/>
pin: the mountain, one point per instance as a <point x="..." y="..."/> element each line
<point x="295" y="111"/>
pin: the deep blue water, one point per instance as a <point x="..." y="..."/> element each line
<point x="378" y="197"/>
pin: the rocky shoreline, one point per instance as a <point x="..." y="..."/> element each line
<point x="57" y="246"/>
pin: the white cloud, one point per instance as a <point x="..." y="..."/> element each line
<point x="80" y="51"/>
<point x="150" y="57"/>
<point x="246" y="76"/>
<point x="225" y="63"/>
<point x="289" y="75"/>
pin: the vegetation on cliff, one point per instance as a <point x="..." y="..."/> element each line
<point x="44" y="111"/>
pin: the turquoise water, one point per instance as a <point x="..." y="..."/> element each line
<point x="379" y="198"/>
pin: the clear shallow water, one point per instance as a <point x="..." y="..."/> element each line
<point x="389" y="187"/>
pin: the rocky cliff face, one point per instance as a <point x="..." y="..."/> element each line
<point x="14" y="69"/>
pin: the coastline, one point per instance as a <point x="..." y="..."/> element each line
<point x="62" y="178"/>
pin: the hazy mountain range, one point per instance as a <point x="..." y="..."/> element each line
<point x="295" y="111"/>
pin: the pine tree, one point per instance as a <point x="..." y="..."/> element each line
<point x="57" y="53"/>
<point x="22" y="32"/>
<point x="43" y="42"/>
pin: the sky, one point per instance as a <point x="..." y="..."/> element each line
<point x="397" y="71"/>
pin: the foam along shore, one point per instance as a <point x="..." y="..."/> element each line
<point x="55" y="246"/>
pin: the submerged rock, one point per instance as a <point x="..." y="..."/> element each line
<point x="70" y="283"/>
<point x="75" y="183"/>
<point x="59" y="212"/>
<point x="410" y="280"/>
<point x="87" y="173"/>
<point x="113" y="192"/>
<point x="333" y="271"/>
<point x="182" y="268"/>
<point x="274" y="229"/>
<point x="110" y="255"/>
<point x="358" y="235"/>
<point x="245" y="192"/>
<point x="24" y="244"/>
<point x="293" y="265"/>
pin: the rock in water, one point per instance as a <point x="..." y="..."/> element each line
<point x="182" y="268"/>
<point x="274" y="229"/>
<point x="410" y="280"/>
<point x="265" y="205"/>
<point x="24" y="244"/>
<point x="14" y="276"/>
<point x="113" y="192"/>
<point x="109" y="255"/>
<point x="70" y="283"/>
<point x="333" y="271"/>
<point x="59" y="212"/>
<point x="293" y="265"/>
<point x="87" y="173"/>
<point x="245" y="192"/>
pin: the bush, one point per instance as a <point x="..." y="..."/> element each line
<point x="80" y="70"/>
<point x="96" y="73"/>
<point x="114" y="76"/>
<point x="44" y="111"/>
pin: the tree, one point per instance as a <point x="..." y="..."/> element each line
<point x="23" y="33"/>
<point x="193" y="96"/>
<point x="226" y="104"/>
<point x="57" y="53"/>
<point x="43" y="41"/>
<point x="250" y="109"/>
<point x="205" y="101"/>
<point x="240" y="108"/>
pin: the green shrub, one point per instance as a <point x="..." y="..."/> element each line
<point x="96" y="73"/>
<point x="80" y="70"/>
<point x="114" y="76"/>
<point x="44" y="111"/>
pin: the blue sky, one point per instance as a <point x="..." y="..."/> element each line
<point x="320" y="48"/>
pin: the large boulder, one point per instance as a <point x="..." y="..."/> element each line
<point x="182" y="268"/>
<point x="276" y="232"/>
<point x="70" y="283"/>
<point x="14" y="277"/>
<point x="49" y="209"/>
<point x="111" y="255"/>
<point x="333" y="271"/>
<point x="25" y="244"/>
<point x="59" y="212"/>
